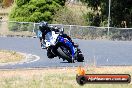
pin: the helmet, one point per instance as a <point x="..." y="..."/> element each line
<point x="43" y="25"/>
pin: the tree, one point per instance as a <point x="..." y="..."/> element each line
<point x="35" y="10"/>
<point x="61" y="2"/>
<point x="121" y="10"/>
<point x="21" y="2"/>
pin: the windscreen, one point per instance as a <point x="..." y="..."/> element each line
<point x="48" y="36"/>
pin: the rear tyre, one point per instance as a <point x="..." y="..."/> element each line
<point x="80" y="56"/>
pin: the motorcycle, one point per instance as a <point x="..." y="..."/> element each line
<point x="59" y="46"/>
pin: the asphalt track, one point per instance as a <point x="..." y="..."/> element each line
<point x="99" y="52"/>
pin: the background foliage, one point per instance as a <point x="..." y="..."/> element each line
<point x="49" y="10"/>
<point x="72" y="14"/>
<point x="121" y="11"/>
<point x="35" y="10"/>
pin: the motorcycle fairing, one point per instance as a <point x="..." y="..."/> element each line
<point x="67" y="43"/>
<point x="50" y="38"/>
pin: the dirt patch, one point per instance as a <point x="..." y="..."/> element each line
<point x="10" y="56"/>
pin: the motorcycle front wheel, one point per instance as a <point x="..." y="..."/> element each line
<point x="65" y="54"/>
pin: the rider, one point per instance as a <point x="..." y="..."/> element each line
<point x="44" y="29"/>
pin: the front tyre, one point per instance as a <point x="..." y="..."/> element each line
<point x="64" y="53"/>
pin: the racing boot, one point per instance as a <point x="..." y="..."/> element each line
<point x="43" y="45"/>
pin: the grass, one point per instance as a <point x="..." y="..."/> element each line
<point x="72" y="14"/>
<point x="56" y="78"/>
<point x="10" y="56"/>
<point x="79" y="9"/>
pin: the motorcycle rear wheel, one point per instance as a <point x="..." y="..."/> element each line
<point x="80" y="57"/>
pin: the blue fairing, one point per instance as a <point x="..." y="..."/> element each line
<point x="67" y="43"/>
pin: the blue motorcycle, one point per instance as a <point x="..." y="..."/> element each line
<point x="58" y="45"/>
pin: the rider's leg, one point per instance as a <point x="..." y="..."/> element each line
<point x="43" y="44"/>
<point x="40" y="41"/>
